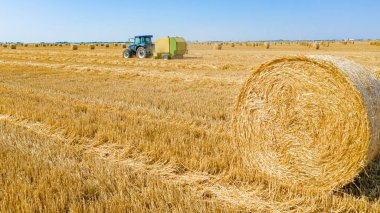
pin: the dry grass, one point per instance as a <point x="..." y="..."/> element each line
<point x="89" y="130"/>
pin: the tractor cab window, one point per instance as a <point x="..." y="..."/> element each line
<point x="148" y="40"/>
<point x="137" y="40"/>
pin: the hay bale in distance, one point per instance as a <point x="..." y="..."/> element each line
<point x="91" y="46"/>
<point x="12" y="46"/>
<point x="74" y="47"/>
<point x="312" y="122"/>
<point x="217" y="46"/>
<point x="107" y="45"/>
<point x="316" y="45"/>
<point x="266" y="45"/>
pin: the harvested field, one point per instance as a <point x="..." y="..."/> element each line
<point x="88" y="130"/>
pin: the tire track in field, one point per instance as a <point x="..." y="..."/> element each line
<point x="203" y="185"/>
<point x="137" y="70"/>
<point x="150" y="109"/>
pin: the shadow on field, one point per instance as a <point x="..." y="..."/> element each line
<point x="367" y="183"/>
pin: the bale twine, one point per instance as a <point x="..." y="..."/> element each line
<point x="312" y="122"/>
<point x="74" y="47"/>
<point x="217" y="46"/>
<point x="267" y="45"/>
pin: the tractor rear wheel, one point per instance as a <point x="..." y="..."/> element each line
<point x="141" y="52"/>
<point x="127" y="53"/>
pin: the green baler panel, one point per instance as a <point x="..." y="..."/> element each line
<point x="173" y="47"/>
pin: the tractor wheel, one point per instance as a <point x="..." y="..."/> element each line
<point x="127" y="53"/>
<point x="141" y="52"/>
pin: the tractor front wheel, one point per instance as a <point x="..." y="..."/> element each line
<point x="141" y="52"/>
<point x="127" y="53"/>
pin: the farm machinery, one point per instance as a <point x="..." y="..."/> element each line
<point x="165" y="48"/>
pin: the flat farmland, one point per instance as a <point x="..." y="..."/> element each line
<point x="88" y="130"/>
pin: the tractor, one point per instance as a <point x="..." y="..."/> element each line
<point x="141" y="47"/>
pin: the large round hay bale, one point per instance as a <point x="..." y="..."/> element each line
<point x="217" y="46"/>
<point x="74" y="47"/>
<point x="12" y="46"/>
<point x="309" y="121"/>
<point x="91" y="46"/>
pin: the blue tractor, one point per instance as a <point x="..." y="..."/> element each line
<point x="142" y="47"/>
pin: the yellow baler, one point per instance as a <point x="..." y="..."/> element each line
<point x="170" y="47"/>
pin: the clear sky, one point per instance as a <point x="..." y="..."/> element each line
<point x="203" y="20"/>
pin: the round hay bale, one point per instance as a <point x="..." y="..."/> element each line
<point x="266" y="45"/>
<point x="316" y="45"/>
<point x="311" y="121"/>
<point x="74" y="47"/>
<point x="5" y="45"/>
<point x="232" y="44"/>
<point x="217" y="46"/>
<point x="12" y="46"/>
<point x="91" y="46"/>
<point x="107" y="45"/>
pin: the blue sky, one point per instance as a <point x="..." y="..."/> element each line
<point x="237" y="20"/>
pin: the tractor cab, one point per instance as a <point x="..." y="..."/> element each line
<point x="142" y="46"/>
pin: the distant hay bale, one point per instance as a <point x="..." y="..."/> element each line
<point x="267" y="45"/>
<point x="316" y="45"/>
<point x="107" y="45"/>
<point x="35" y="45"/>
<point x="91" y="46"/>
<point x="74" y="47"/>
<point x="232" y="44"/>
<point x="217" y="46"/>
<point x="312" y="122"/>
<point x="5" y="45"/>
<point x="123" y="46"/>
<point x="12" y="46"/>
